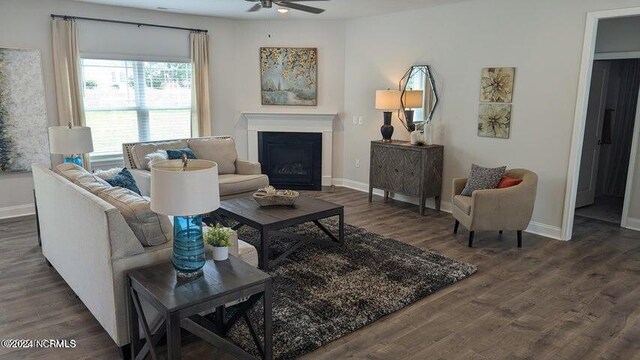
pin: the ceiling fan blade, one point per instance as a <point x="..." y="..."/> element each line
<point x="303" y="0"/>
<point x="300" y="7"/>
<point x="255" y="8"/>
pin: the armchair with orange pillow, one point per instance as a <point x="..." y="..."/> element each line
<point x="507" y="207"/>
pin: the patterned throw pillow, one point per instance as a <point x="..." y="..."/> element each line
<point x="124" y="179"/>
<point x="177" y="154"/>
<point x="482" y="178"/>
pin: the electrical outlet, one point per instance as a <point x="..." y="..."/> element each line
<point x="355" y="120"/>
<point x="360" y="120"/>
<point x="357" y="162"/>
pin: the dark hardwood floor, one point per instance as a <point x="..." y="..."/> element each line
<point x="548" y="300"/>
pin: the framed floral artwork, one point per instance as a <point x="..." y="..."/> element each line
<point x="496" y="84"/>
<point x="494" y="120"/>
<point x="289" y="76"/>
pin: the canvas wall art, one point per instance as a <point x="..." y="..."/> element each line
<point x="289" y="76"/>
<point x="23" y="117"/>
<point x="497" y="84"/>
<point x="494" y="120"/>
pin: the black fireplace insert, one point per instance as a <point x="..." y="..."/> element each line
<point x="291" y="160"/>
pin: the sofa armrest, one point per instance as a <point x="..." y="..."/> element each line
<point x="143" y="180"/>
<point x="458" y="186"/>
<point x="244" y="167"/>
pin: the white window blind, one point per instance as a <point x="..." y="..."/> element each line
<point x="130" y="101"/>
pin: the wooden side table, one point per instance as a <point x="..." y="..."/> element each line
<point x="180" y="303"/>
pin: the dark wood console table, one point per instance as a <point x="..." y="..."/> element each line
<point x="412" y="170"/>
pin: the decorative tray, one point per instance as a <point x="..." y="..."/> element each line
<point x="269" y="196"/>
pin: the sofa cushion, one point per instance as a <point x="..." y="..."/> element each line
<point x="150" y="228"/>
<point x="107" y="174"/>
<point x="482" y="178"/>
<point x="139" y="152"/>
<point x="231" y="184"/>
<point x="222" y="151"/>
<point x="81" y="177"/>
<point x="463" y="203"/>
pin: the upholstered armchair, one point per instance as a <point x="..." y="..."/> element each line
<point x="496" y="209"/>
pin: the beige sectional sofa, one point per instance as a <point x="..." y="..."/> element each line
<point x="91" y="245"/>
<point x="236" y="177"/>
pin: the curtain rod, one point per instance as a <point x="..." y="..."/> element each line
<point x="69" y="17"/>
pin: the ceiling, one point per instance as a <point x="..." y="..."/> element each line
<point x="236" y="9"/>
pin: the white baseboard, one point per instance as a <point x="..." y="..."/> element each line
<point x="545" y="230"/>
<point x="16" y="211"/>
<point x="364" y="187"/>
<point x="537" y="228"/>
<point x="633" y="224"/>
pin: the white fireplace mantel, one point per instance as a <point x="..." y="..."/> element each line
<point x="292" y="122"/>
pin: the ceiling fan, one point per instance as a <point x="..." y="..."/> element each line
<point x="287" y="4"/>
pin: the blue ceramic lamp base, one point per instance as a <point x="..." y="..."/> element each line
<point x="188" y="246"/>
<point x="74" y="159"/>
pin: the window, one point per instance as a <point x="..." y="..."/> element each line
<point x="148" y="101"/>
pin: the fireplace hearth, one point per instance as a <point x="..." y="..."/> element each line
<point x="292" y="160"/>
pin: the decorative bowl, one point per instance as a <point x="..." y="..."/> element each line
<point x="269" y="196"/>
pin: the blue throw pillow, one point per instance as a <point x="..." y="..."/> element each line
<point x="124" y="179"/>
<point x="177" y="154"/>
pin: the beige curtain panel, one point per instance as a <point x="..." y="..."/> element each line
<point x="200" y="108"/>
<point x="66" y="70"/>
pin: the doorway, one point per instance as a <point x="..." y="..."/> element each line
<point x="608" y="138"/>
<point x="616" y="46"/>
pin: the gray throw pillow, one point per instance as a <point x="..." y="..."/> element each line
<point x="482" y="178"/>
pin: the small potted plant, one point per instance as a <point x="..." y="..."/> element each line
<point x="219" y="238"/>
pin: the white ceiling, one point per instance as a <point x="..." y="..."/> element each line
<point x="237" y="9"/>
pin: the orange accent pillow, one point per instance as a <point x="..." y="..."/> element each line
<point x="506" y="182"/>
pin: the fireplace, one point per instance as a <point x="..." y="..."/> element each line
<point x="292" y="160"/>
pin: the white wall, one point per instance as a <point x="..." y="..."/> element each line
<point x="327" y="36"/>
<point x="543" y="39"/>
<point x="26" y="24"/>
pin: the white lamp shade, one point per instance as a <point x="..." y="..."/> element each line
<point x="412" y="99"/>
<point x="65" y="140"/>
<point x="193" y="191"/>
<point x="388" y="100"/>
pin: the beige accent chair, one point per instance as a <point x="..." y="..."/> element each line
<point x="496" y="209"/>
<point x="236" y="177"/>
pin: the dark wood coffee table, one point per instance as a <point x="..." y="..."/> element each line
<point x="180" y="303"/>
<point x="269" y="219"/>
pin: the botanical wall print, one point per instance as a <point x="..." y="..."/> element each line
<point x="497" y="84"/>
<point x="23" y="117"/>
<point x="289" y="76"/>
<point x="494" y="120"/>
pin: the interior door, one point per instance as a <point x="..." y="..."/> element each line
<point x="592" y="134"/>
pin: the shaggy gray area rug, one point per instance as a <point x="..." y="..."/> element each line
<point x="324" y="291"/>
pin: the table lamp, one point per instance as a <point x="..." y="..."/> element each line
<point x="186" y="189"/>
<point x="71" y="141"/>
<point x="388" y="101"/>
<point x="411" y="99"/>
